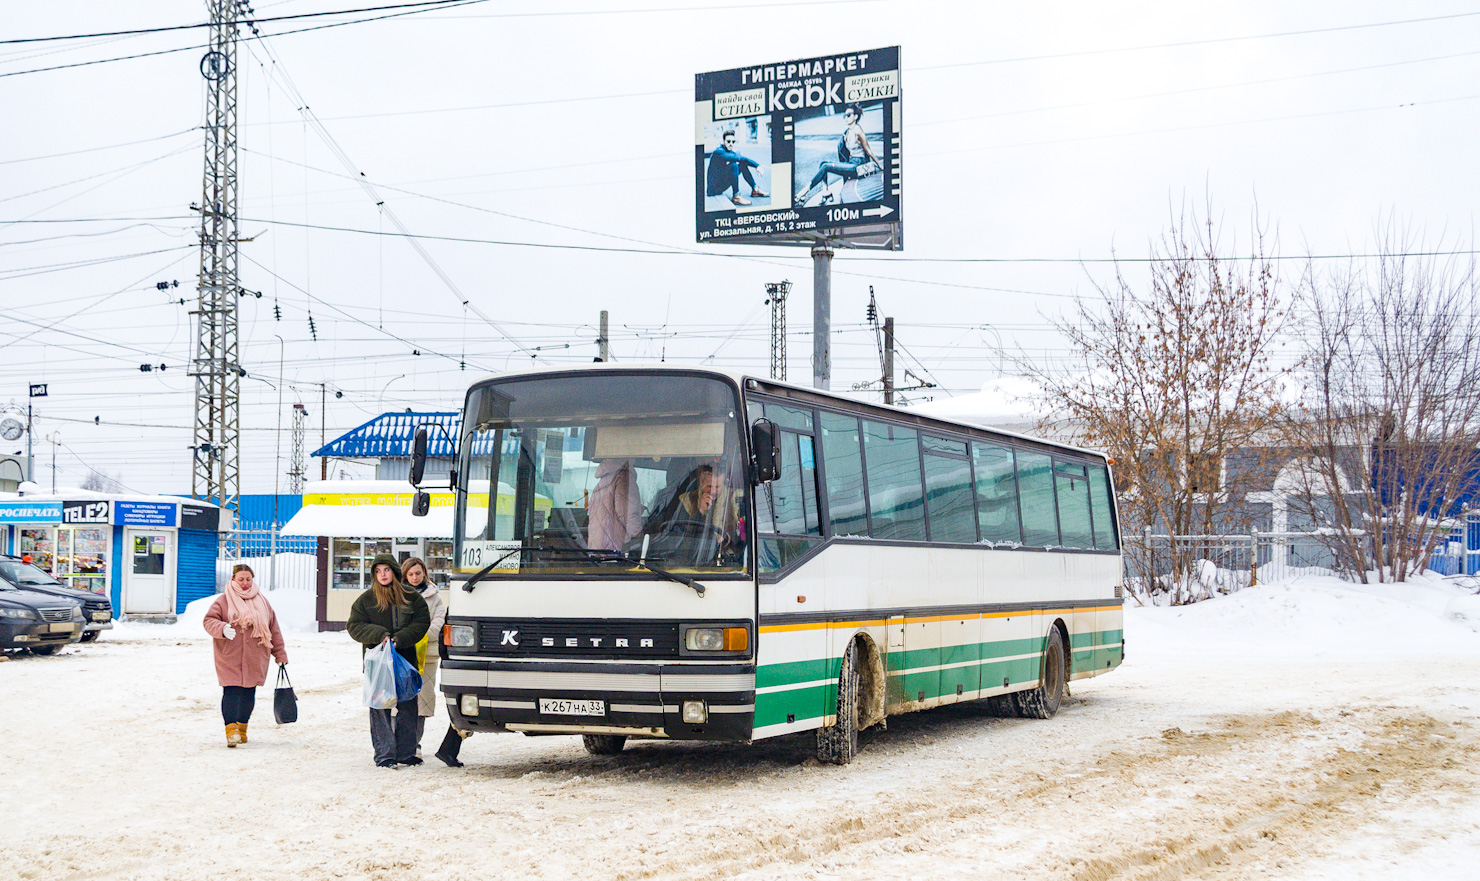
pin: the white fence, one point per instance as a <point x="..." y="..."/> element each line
<point x="278" y="562"/>
<point x="1186" y="568"/>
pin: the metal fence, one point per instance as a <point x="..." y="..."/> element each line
<point x="279" y="562"/>
<point x="1192" y="567"/>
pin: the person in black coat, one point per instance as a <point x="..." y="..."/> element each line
<point x="391" y="611"/>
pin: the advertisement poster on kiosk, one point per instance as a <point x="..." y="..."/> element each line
<point x="798" y="151"/>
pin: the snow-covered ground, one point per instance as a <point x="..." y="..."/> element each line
<point x="1313" y="730"/>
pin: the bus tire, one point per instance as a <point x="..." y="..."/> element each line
<point x="837" y="744"/>
<point x="1042" y="702"/>
<point x="604" y="744"/>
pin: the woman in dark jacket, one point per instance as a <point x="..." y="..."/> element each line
<point x="390" y="610"/>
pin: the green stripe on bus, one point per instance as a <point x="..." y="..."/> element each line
<point x="986" y="668"/>
<point x="799" y="703"/>
<point x="797" y="671"/>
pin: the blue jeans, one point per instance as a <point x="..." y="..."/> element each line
<point x="846" y="170"/>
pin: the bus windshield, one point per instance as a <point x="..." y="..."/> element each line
<point x="600" y="474"/>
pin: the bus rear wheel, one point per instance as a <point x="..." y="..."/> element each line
<point x="837" y="744"/>
<point x="604" y="744"/>
<point x="1045" y="700"/>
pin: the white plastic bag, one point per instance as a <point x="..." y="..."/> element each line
<point x="380" y="677"/>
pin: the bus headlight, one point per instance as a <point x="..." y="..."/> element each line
<point x="695" y="713"/>
<point x="468" y="704"/>
<point x="716" y="639"/>
<point x="459" y="636"/>
<point x="705" y="639"/>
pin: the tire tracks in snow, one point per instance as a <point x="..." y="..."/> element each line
<point x="1234" y="801"/>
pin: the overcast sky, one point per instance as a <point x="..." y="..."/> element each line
<point x="1037" y="134"/>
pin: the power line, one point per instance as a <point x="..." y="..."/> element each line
<point x="450" y="4"/>
<point x="233" y="23"/>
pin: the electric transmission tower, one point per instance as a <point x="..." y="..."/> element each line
<point x="217" y="366"/>
<point x="295" y="470"/>
<point x="776" y="295"/>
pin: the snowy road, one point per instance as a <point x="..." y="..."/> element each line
<point x="1306" y="732"/>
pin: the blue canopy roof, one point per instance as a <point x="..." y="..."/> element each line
<point x="389" y="436"/>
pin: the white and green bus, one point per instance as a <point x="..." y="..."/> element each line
<point x="661" y="552"/>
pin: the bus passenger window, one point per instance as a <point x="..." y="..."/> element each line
<point x="1072" y="490"/>
<point x="1099" y="497"/>
<point x="895" y="489"/>
<point x="843" y="460"/>
<point x="996" y="494"/>
<point x="948" y="499"/>
<point x="1035" y="492"/>
<point x="791" y="499"/>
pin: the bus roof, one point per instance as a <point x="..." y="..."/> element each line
<point x="791" y="390"/>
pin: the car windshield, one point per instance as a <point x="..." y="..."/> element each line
<point x="22" y="574"/>
<point x="600" y="474"/>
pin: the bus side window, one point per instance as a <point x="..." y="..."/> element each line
<point x="948" y="498"/>
<point x="1099" y="497"/>
<point x="1072" y="491"/>
<point x="842" y="458"/>
<point x="896" y="490"/>
<point x="996" y="493"/>
<point x="792" y="507"/>
<point x="1035" y="493"/>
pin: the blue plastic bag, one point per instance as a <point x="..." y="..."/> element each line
<point x="408" y="681"/>
<point x="380" y="677"/>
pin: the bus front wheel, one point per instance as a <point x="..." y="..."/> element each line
<point x="604" y="744"/>
<point x="837" y="744"/>
<point x="1042" y="702"/>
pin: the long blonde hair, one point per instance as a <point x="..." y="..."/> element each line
<point x="387" y="595"/>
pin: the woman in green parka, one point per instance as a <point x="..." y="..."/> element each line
<point x="390" y="610"/>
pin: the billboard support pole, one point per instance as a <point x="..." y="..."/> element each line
<point x="822" y="256"/>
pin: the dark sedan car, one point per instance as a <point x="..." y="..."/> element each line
<point x="95" y="607"/>
<point x="37" y="621"/>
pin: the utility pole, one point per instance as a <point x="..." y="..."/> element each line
<point x="776" y="292"/>
<point x="295" y="467"/>
<point x="888" y="360"/>
<point x="603" y="342"/>
<point x="323" y="409"/>
<point x="822" y="255"/>
<point x="217" y="366"/>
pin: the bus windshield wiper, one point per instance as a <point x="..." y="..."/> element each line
<point x="602" y="555"/>
<point x="483" y="573"/>
<point x="598" y="555"/>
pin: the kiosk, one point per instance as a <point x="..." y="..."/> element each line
<point x="151" y="555"/>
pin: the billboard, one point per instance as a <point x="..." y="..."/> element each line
<point x="799" y="151"/>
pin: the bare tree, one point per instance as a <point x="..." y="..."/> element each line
<point x="1170" y="375"/>
<point x="97" y="481"/>
<point x="1390" y="406"/>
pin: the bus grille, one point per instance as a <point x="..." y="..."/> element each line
<point x="577" y="638"/>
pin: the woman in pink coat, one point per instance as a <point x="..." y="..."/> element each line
<point x="246" y="636"/>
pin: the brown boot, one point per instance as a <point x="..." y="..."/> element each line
<point x="241" y="728"/>
<point x="233" y="735"/>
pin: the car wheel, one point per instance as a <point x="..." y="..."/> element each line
<point x="45" y="649"/>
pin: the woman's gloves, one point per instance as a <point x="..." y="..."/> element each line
<point x="228" y="632"/>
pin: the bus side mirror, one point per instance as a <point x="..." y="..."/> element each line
<point x="419" y="455"/>
<point x="765" y="451"/>
<point x="421" y="503"/>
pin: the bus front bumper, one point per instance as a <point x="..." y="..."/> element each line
<point x="677" y="701"/>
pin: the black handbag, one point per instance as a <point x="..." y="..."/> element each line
<point x="284" y="702"/>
